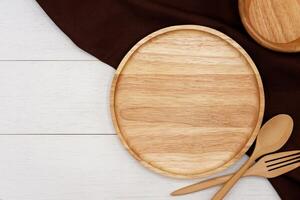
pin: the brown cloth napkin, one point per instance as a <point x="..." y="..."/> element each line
<point x="107" y="29"/>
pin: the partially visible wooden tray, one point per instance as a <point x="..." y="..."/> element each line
<point x="274" y="24"/>
<point x="187" y="101"/>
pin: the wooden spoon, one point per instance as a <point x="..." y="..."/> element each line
<point x="272" y="136"/>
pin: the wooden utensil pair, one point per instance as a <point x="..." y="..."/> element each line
<point x="269" y="166"/>
<point x="272" y="136"/>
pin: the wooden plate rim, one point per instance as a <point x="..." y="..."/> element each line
<point x="289" y="47"/>
<point x="232" y="43"/>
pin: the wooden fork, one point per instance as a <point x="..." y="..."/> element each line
<point x="269" y="166"/>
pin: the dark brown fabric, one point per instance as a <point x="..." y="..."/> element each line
<point x="107" y="29"/>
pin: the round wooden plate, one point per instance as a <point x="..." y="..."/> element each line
<point x="187" y="101"/>
<point x="274" y="24"/>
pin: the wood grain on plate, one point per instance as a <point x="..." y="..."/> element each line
<point x="187" y="101"/>
<point x="274" y="24"/>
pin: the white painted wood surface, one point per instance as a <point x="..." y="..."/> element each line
<point x="27" y="33"/>
<point x="68" y="97"/>
<point x="91" y="167"/>
<point x="56" y="137"/>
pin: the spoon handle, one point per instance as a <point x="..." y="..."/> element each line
<point x="229" y="184"/>
<point x="201" y="185"/>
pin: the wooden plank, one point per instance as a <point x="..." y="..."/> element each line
<point x="27" y="33"/>
<point x="55" y="97"/>
<point x="93" y="167"/>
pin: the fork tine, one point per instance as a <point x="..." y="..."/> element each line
<point x="283" y="155"/>
<point x="279" y="157"/>
<point x="294" y="163"/>
<point x="276" y="164"/>
<point x="289" y="158"/>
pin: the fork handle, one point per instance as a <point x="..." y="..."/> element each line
<point x="230" y="183"/>
<point x="202" y="185"/>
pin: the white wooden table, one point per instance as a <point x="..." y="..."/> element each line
<point x="57" y="141"/>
